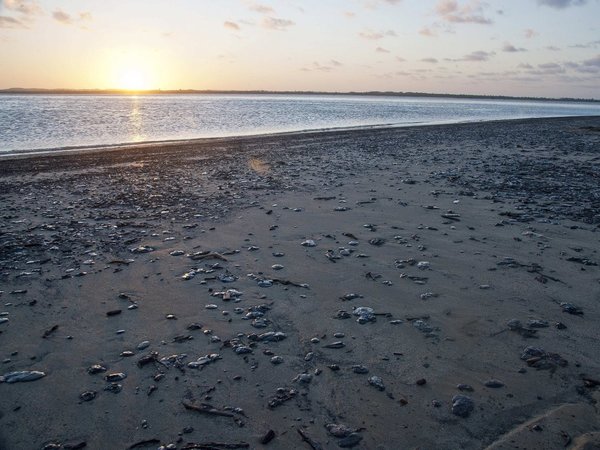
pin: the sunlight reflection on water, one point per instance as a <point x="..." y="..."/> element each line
<point x="55" y="121"/>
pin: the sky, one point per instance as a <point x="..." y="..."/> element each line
<point x="539" y="48"/>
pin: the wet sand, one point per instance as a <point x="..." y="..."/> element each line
<point x="470" y="242"/>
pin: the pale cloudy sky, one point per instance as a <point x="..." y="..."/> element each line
<point x="511" y="47"/>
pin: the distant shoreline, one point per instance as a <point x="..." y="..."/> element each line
<point x="30" y="91"/>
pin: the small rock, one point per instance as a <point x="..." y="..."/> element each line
<point x="304" y="378"/>
<point x="494" y="384"/>
<point x="88" y="396"/>
<point x="377" y="382"/>
<point x="360" y="369"/>
<point x="462" y="405"/>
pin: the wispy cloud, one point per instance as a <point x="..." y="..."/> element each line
<point x="509" y="48"/>
<point x="561" y="4"/>
<point x="476" y="56"/>
<point x="260" y="8"/>
<point x="382" y="50"/>
<point x="231" y="25"/>
<point x="375" y="35"/>
<point x="322" y="67"/>
<point x="11" y="22"/>
<point x="67" y="19"/>
<point x="25" y="11"/>
<point x="429" y="60"/>
<point x="274" y="23"/>
<point x="24" y="7"/>
<point x="530" y="33"/>
<point x="470" y="12"/>
<point x="426" y="31"/>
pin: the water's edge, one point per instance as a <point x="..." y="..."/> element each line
<point x="22" y="154"/>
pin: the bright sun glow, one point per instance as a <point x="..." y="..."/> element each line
<point x="133" y="79"/>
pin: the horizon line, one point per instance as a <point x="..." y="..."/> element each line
<point x="117" y="91"/>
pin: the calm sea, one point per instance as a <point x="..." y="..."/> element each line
<point x="36" y="122"/>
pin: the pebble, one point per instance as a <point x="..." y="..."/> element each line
<point x="494" y="384"/>
<point x="143" y="345"/>
<point x="315" y="340"/>
<point x="423" y="326"/>
<point x="3" y="319"/>
<point x="277" y="267"/>
<point x="335" y="345"/>
<point x="571" y="309"/>
<point x="537" y="323"/>
<point x="462" y="405"/>
<point x="115" y="388"/>
<point x="423" y="265"/>
<point x="177" y="253"/>
<point x="308" y="243"/>
<point x="377" y="382"/>
<point x="22" y="376"/>
<point x="338" y="430"/>
<point x="364" y="314"/>
<point x="276" y="360"/>
<point x="360" y="369"/>
<point x="211" y="306"/>
<point x="465" y="387"/>
<point x="242" y="349"/>
<point x="88" y="396"/>
<point x="304" y="378"/>
<point x="116" y="376"/>
<point x="96" y="368"/>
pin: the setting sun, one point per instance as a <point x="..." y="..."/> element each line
<point x="133" y="79"/>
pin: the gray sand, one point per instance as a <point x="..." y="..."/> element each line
<point x="446" y="232"/>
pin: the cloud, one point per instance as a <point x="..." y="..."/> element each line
<point x="548" y="69"/>
<point x="375" y="35"/>
<point x="530" y="33"/>
<point x="561" y="4"/>
<point x="231" y="25"/>
<point x="592" y="44"/>
<point x="477" y="56"/>
<point x="426" y="31"/>
<point x="26" y="10"/>
<point x="593" y="62"/>
<point x="525" y="66"/>
<point x="11" y="22"/>
<point x="24" y="7"/>
<point x="62" y="17"/>
<point x="382" y="50"/>
<point x="400" y="59"/>
<point x="66" y="18"/>
<point x="552" y="48"/>
<point x="509" y="48"/>
<point x="261" y="9"/>
<point x="373" y="4"/>
<point x="430" y="60"/>
<point x="274" y="23"/>
<point x="322" y="67"/>
<point x="471" y="12"/>
<point x="350" y="14"/>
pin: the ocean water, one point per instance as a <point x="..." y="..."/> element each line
<point x="49" y="122"/>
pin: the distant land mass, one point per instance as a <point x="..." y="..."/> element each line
<point x="33" y="91"/>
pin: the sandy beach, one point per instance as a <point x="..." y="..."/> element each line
<point x="398" y="288"/>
